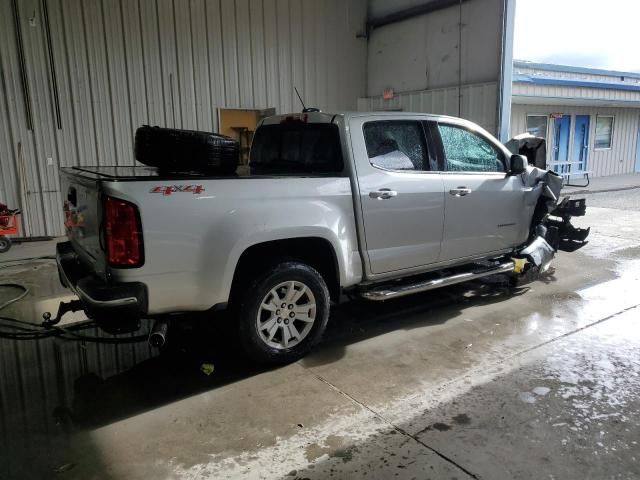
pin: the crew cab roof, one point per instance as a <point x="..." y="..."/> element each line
<point x="345" y="117"/>
<point x="329" y="117"/>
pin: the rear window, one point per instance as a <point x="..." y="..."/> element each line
<point x="312" y="148"/>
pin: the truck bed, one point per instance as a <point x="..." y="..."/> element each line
<point x="195" y="227"/>
<point x="141" y="173"/>
<point x="128" y="174"/>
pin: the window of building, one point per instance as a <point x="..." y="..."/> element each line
<point x="466" y="151"/>
<point x="396" y="145"/>
<point x="604" y="132"/>
<point x="537" y="125"/>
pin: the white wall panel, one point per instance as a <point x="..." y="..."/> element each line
<point x="478" y="103"/>
<point x="258" y="55"/>
<point x="421" y="53"/>
<point x="123" y="63"/>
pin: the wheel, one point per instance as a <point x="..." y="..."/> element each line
<point x="283" y="314"/>
<point x="5" y="244"/>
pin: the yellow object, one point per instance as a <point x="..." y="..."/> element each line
<point x="519" y="264"/>
<point x="207" y="368"/>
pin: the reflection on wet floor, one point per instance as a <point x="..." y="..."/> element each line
<point x="52" y="388"/>
<point x="53" y="391"/>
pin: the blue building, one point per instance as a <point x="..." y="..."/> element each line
<point x="588" y="116"/>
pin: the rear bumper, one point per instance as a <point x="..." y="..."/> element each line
<point x="101" y="300"/>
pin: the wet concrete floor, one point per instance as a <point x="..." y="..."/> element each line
<point x="474" y="381"/>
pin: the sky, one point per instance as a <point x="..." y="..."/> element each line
<point x="585" y="33"/>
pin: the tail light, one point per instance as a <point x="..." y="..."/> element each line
<point x="123" y="233"/>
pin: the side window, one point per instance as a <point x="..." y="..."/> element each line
<point x="465" y="151"/>
<point x="396" y="145"/>
<point x="295" y="148"/>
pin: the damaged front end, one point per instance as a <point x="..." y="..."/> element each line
<point x="565" y="236"/>
<point x="551" y="229"/>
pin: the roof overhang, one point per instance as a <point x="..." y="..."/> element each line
<point x="552" y="67"/>
<point x="574" y="82"/>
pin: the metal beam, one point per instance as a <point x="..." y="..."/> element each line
<point x="412" y="12"/>
<point x="506" y="69"/>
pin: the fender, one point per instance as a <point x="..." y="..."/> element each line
<point x="322" y="222"/>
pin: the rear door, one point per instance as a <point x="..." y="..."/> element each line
<point x="483" y="204"/>
<point x="401" y="193"/>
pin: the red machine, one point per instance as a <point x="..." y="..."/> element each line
<point x="8" y="226"/>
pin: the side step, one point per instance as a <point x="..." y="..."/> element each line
<point x="386" y="292"/>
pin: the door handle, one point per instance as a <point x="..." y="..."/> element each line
<point x="383" y="194"/>
<point x="460" y="191"/>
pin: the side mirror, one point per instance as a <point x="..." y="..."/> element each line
<point x="518" y="164"/>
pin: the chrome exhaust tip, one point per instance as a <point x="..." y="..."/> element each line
<point x="158" y="335"/>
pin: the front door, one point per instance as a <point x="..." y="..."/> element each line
<point x="401" y="197"/>
<point x="484" y="206"/>
<point x="561" y="142"/>
<point x="580" y="144"/>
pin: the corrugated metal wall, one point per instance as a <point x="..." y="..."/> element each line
<point x="619" y="159"/>
<point x="119" y="64"/>
<point x="478" y="103"/>
<point x="458" y="44"/>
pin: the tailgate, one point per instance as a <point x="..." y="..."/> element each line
<point x="82" y="217"/>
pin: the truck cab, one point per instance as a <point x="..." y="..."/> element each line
<point x="433" y="191"/>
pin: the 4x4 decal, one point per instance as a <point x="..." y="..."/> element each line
<point x="169" y="189"/>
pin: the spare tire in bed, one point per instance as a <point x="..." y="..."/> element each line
<point x="173" y="150"/>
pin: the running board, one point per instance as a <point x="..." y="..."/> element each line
<point x="386" y="292"/>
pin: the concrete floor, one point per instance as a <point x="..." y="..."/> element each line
<point x="474" y="381"/>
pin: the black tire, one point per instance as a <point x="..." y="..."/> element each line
<point x="173" y="150"/>
<point x="249" y="308"/>
<point x="5" y="244"/>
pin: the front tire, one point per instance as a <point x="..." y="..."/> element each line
<point x="283" y="313"/>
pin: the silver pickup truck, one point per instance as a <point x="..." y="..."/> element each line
<point x="377" y="205"/>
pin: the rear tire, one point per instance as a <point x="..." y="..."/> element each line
<point x="283" y="313"/>
<point x="5" y="244"/>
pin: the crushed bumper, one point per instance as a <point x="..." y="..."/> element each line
<point x="100" y="299"/>
<point x="562" y="234"/>
<point x="538" y="252"/>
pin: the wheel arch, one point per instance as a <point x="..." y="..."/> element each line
<point x="315" y="251"/>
